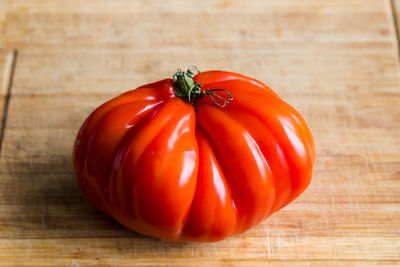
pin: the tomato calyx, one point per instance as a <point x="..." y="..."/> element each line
<point x="190" y="91"/>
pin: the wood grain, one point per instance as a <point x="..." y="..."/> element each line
<point x="3" y="12"/>
<point x="334" y="61"/>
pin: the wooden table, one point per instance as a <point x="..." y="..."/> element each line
<point x="336" y="61"/>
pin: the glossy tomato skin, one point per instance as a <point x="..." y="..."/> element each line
<point x="166" y="169"/>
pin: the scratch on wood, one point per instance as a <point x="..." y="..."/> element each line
<point x="8" y="80"/>
<point x="393" y="24"/>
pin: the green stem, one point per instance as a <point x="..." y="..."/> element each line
<point x="190" y="91"/>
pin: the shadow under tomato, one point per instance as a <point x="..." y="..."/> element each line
<point x="41" y="204"/>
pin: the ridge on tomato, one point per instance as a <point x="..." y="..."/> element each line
<point x="194" y="158"/>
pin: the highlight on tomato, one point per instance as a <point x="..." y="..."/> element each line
<point x="197" y="157"/>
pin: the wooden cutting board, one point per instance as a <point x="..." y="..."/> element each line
<point x="336" y="61"/>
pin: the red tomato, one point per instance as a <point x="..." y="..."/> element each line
<point x="191" y="170"/>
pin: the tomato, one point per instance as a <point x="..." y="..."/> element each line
<point x="195" y="158"/>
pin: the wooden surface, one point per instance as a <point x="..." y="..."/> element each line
<point x="336" y="61"/>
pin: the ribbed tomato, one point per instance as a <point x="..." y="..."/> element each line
<point x="172" y="161"/>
